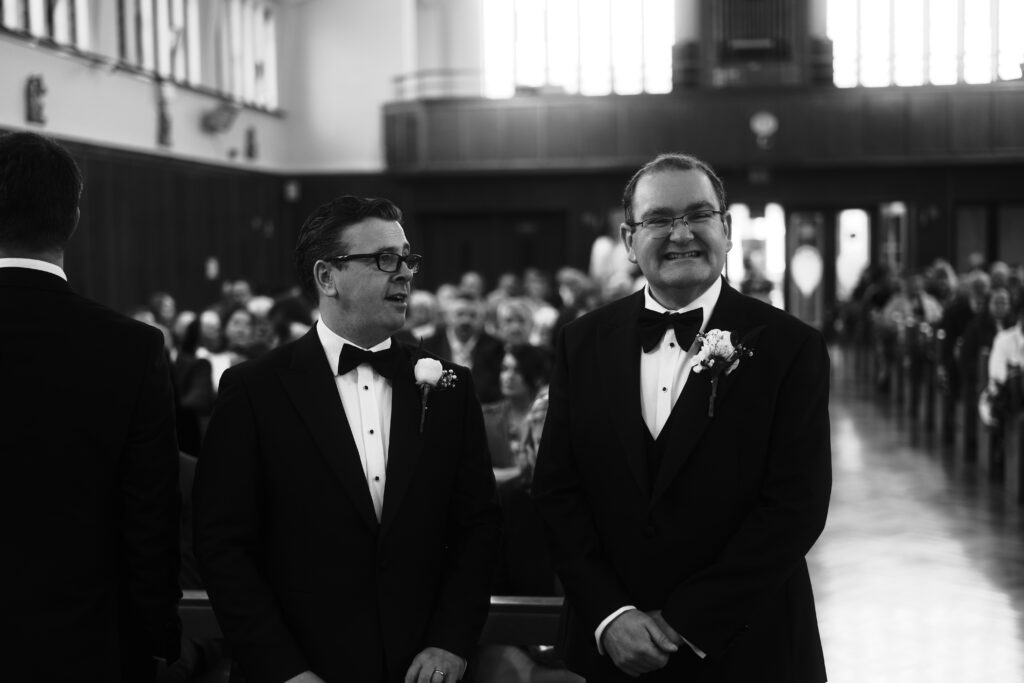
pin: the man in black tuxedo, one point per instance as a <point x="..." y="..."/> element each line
<point x="89" y="507"/>
<point x="344" y="531"/>
<point x="463" y="341"/>
<point x="680" y="510"/>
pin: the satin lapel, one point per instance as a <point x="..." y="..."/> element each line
<point x="689" y="418"/>
<point x="405" y="441"/>
<point x="312" y="389"/>
<point x="620" y="357"/>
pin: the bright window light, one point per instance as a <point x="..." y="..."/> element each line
<point x="590" y="47"/>
<point x="913" y="42"/>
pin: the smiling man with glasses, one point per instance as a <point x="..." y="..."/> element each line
<point x="346" y="524"/>
<point x="682" y="500"/>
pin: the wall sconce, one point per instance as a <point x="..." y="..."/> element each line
<point x="220" y="119"/>
<point x="764" y="125"/>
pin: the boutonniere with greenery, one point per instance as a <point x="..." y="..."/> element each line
<point x="431" y="375"/>
<point x="718" y="355"/>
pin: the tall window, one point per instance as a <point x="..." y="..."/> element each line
<point x="591" y="47"/>
<point x="245" y="33"/>
<point x="161" y="36"/>
<point x="916" y="42"/>
<point x="64" y="22"/>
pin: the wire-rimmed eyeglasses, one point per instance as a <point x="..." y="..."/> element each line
<point x="661" y="225"/>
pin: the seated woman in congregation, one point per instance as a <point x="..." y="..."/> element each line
<point x="514" y="427"/>
<point x="525" y="371"/>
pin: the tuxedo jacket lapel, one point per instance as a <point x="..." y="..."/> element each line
<point x="312" y="389"/>
<point x="689" y="419"/>
<point x="406" y="442"/>
<point x="620" y="354"/>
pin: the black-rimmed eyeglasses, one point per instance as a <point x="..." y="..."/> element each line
<point x="387" y="261"/>
<point x="661" y="225"/>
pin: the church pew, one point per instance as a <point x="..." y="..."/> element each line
<point x="511" y="620"/>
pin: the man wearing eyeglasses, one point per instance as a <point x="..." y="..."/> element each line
<point x="346" y="522"/>
<point x="682" y="480"/>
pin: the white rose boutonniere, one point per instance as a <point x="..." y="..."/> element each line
<point x="718" y="355"/>
<point x="431" y="375"/>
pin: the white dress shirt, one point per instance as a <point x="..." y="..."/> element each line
<point x="1007" y="351"/>
<point x="462" y="353"/>
<point x="663" y="374"/>
<point x="366" y="398"/>
<point x="34" y="264"/>
<point x="664" y="371"/>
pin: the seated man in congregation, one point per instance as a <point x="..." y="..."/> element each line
<point x="463" y="341"/>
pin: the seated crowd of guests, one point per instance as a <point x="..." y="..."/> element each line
<point x="970" y="315"/>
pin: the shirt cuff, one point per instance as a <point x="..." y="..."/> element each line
<point x="604" y="624"/>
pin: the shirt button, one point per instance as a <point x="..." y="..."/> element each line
<point x="672" y="344"/>
<point x="366" y="388"/>
<point x="664" y="388"/>
<point x="371" y="431"/>
<point x="376" y="478"/>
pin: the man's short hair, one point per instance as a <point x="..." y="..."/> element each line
<point x="672" y="161"/>
<point x="40" y="185"/>
<point x="318" y="237"/>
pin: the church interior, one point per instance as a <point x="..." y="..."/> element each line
<point x="872" y="152"/>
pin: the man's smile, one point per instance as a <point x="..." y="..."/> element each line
<point x="683" y="254"/>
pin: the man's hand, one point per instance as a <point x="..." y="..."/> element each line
<point x="432" y="660"/>
<point x="306" y="677"/>
<point x="672" y="634"/>
<point x="636" y="643"/>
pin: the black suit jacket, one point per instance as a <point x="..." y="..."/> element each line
<point x="717" y="539"/>
<point x="487" y="355"/>
<point x="299" y="572"/>
<point x="89" y="506"/>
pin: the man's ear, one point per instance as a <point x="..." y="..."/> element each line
<point x="323" y="280"/>
<point x="627" y="232"/>
<point x="727" y="226"/>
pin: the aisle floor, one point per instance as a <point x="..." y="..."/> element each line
<point x="919" y="575"/>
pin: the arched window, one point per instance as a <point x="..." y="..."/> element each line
<point x="917" y="42"/>
<point x="590" y="47"/>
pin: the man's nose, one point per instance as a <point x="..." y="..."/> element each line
<point x="680" y="230"/>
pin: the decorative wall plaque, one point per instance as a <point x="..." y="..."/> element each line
<point x="251" y="148"/>
<point x="34" y="91"/>
<point x="163" y="134"/>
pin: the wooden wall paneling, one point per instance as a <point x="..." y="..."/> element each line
<point x="522" y="132"/>
<point x="722" y="130"/>
<point x="970" y="121"/>
<point x="598" y="132"/>
<point x="564" y="139"/>
<point x="481" y="133"/>
<point x="1007" y="116"/>
<point x="885" y="124"/>
<point x="845" y="121"/>
<point x="1010" y="236"/>
<point x="642" y="123"/>
<point x="402" y="130"/>
<point x="443" y="135"/>
<point x="928" y="127"/>
<point x="796" y="126"/>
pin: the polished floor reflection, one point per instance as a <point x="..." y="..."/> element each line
<point x="919" y="575"/>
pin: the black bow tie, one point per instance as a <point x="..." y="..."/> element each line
<point x="384" y="362"/>
<point x="652" y="327"/>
